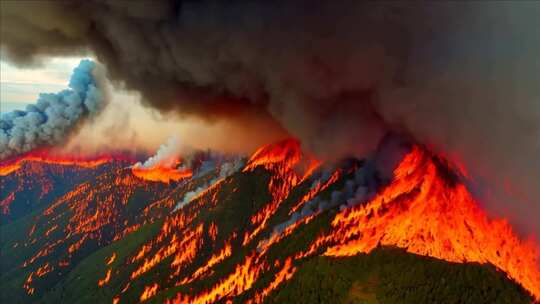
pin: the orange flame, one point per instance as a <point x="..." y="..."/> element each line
<point x="149" y="291"/>
<point x="106" y="279"/>
<point x="280" y="160"/>
<point x="44" y="156"/>
<point x="243" y="277"/>
<point x="288" y="149"/>
<point x="6" y="203"/>
<point x="111" y="259"/>
<point x="315" y="191"/>
<point x="28" y="284"/>
<point x="213" y="231"/>
<point x="185" y="250"/>
<point x="215" y="259"/>
<point x="43" y="270"/>
<point x="425" y="213"/>
<point x="162" y="174"/>
<point x="264" y="245"/>
<point x="285" y="274"/>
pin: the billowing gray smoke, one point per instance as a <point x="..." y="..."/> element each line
<point x="460" y="77"/>
<point x="167" y="156"/>
<point x="227" y="169"/>
<point x="54" y="116"/>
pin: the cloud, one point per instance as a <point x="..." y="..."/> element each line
<point x="54" y="117"/>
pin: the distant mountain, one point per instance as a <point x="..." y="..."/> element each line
<point x="31" y="182"/>
<point x="281" y="228"/>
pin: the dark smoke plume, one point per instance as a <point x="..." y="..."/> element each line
<point x="459" y="77"/>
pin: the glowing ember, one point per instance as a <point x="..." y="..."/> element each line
<point x="50" y="230"/>
<point x="111" y="259"/>
<point x="5" y="203"/>
<point x="264" y="245"/>
<point x="243" y="277"/>
<point x="185" y="249"/>
<point x="43" y="270"/>
<point x="28" y="284"/>
<point x="106" y="279"/>
<point x="285" y="274"/>
<point x="425" y="213"/>
<point x="149" y="291"/>
<point x="213" y="231"/>
<point x="215" y="259"/>
<point x="315" y="191"/>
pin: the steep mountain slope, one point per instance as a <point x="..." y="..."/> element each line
<point x="274" y="231"/>
<point x="39" y="249"/>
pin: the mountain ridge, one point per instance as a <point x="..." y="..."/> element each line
<point x="220" y="247"/>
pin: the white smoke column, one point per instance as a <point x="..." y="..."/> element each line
<point x="55" y="116"/>
<point x="166" y="156"/>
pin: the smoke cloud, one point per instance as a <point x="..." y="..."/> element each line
<point x="225" y="170"/>
<point x="54" y="117"/>
<point x="461" y="78"/>
<point x="167" y="156"/>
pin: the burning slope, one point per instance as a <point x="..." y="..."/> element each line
<point x="280" y="159"/>
<point x="184" y="236"/>
<point x="286" y="151"/>
<point x="44" y="156"/>
<point x="429" y="213"/>
<point x="90" y="216"/>
<point x="36" y="179"/>
<point x="244" y="236"/>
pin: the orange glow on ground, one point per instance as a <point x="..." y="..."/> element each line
<point x="284" y="274"/>
<point x="243" y="277"/>
<point x="111" y="259"/>
<point x="161" y="174"/>
<point x="424" y="210"/>
<point x="280" y="159"/>
<point x="427" y="214"/>
<point x="149" y="291"/>
<point x="11" y="165"/>
<point x="215" y="259"/>
<point x="315" y="191"/>
<point x="106" y="279"/>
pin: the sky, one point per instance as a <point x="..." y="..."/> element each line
<point x="21" y="86"/>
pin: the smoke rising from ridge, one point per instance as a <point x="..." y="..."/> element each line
<point x="166" y="156"/>
<point x="54" y="117"/>
<point x="462" y="78"/>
